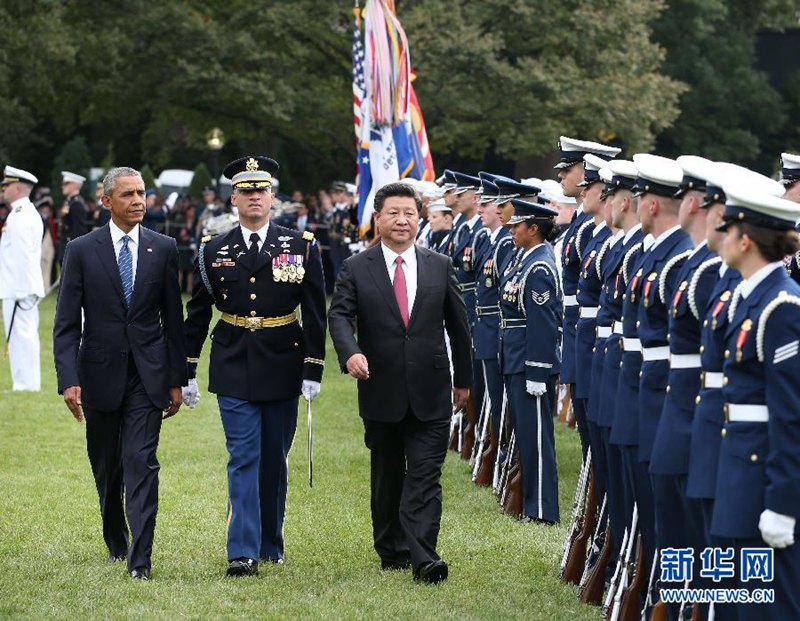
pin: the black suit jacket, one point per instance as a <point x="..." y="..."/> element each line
<point x="408" y="367"/>
<point x="95" y="356"/>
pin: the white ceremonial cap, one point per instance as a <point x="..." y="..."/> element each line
<point x="439" y="205"/>
<point x="71" y="177"/>
<point x="656" y="175"/>
<point x="572" y="151"/>
<point x="753" y="206"/>
<point x="13" y="175"/>
<point x="790" y="171"/>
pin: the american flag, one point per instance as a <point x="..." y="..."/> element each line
<point x="359" y="87"/>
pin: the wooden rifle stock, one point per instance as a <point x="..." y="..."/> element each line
<point x="592" y="591"/>
<point x="486" y="466"/>
<point x="513" y="503"/>
<point x="659" y="612"/>
<point x="573" y="570"/>
<point x="470" y="424"/>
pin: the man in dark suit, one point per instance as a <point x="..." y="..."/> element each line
<point x="402" y="298"/>
<point x="123" y="365"/>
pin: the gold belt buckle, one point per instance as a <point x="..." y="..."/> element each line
<point x="252" y="323"/>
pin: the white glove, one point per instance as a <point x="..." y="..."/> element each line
<point x="537" y="389"/>
<point x="310" y="389"/>
<point x="776" y="530"/>
<point x="190" y="394"/>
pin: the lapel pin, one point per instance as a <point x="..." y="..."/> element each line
<point x="149" y="250"/>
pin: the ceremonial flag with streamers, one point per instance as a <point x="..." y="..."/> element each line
<point x="390" y="132"/>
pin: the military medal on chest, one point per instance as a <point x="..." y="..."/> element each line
<point x="288" y="268"/>
<point x="567" y="249"/>
<point x="466" y="259"/>
<point x="741" y="339"/>
<point x="634" y="284"/>
<point x="677" y="299"/>
<point x="718" y="308"/>
<point x="587" y="263"/>
<point x="487" y="271"/>
<point x="647" y="286"/>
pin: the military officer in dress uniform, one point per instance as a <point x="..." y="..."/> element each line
<point x="530" y="311"/>
<point x="757" y="499"/>
<point x="492" y="249"/>
<point x="440" y="219"/>
<point x="570" y="173"/>
<point x="620" y="211"/>
<point x="21" y="284"/>
<point x="341" y="228"/>
<point x="262" y="358"/>
<point x="74" y="214"/>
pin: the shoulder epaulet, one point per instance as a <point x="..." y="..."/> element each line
<point x="205" y="239"/>
<point x="662" y="281"/>
<point x="308" y="235"/>
<point x="696" y="280"/>
<point x="737" y="295"/>
<point x="626" y="261"/>
<point x="783" y="298"/>
<point x="579" y="237"/>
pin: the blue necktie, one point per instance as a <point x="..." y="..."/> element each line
<point x="125" y="262"/>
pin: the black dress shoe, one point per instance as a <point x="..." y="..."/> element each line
<point x="396" y="565"/>
<point x="242" y="567"/>
<point x="141" y="573"/>
<point x="117" y="558"/>
<point x="432" y="573"/>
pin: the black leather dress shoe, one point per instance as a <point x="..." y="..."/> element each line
<point x="117" y="558"/>
<point x="432" y="573"/>
<point x="396" y="565"/>
<point x="141" y="573"/>
<point x="242" y="567"/>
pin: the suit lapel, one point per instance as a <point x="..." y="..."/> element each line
<point x="108" y="259"/>
<point x="423" y="273"/>
<point x="144" y="262"/>
<point x="379" y="273"/>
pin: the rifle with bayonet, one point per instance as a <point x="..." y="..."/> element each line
<point x="578" y="505"/>
<point x="483" y="435"/>
<point x="471" y="422"/>
<point x="594" y="572"/>
<point x="581" y="532"/>
<point x="501" y="433"/>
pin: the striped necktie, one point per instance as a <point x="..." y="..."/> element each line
<point x="125" y="263"/>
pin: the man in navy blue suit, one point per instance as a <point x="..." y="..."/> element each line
<point x="120" y="360"/>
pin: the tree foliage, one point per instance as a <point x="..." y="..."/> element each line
<point x="145" y="82"/>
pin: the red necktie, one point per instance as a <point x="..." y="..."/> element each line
<point x="400" y="290"/>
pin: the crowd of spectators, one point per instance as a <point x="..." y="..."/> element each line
<point x="187" y="218"/>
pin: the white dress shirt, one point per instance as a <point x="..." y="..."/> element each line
<point x="409" y="269"/>
<point x="665" y="235"/>
<point x="262" y="235"/>
<point x="133" y="245"/>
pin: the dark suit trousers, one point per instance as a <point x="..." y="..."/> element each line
<point x="122" y="450"/>
<point x="406" y="465"/>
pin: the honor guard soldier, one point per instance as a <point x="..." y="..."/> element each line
<point x="509" y="189"/>
<point x="21" y="283"/>
<point x="440" y="219"/>
<point x="570" y="173"/>
<point x="790" y="178"/>
<point x="620" y="212"/>
<point x="493" y="248"/>
<point x="341" y="229"/>
<point x="74" y="214"/>
<point x="257" y="275"/>
<point x="530" y="311"/>
<point x="588" y="296"/>
<point x="658" y="180"/>
<point x="757" y="500"/>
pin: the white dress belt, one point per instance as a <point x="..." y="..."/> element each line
<point x="712" y="380"/>
<point x="589" y="312"/>
<point x="570" y="300"/>
<point x="617" y="327"/>
<point x="603" y="332"/>
<point x="631" y="344"/>
<point x="737" y="413"/>
<point x="684" y="361"/>
<point x="650" y="354"/>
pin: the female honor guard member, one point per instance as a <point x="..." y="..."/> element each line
<point x="530" y="308"/>
<point x="257" y="275"/>
<point x="758" y="487"/>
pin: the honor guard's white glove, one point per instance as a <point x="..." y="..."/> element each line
<point x="310" y="389"/>
<point x="190" y="394"/>
<point x="776" y="530"/>
<point x="537" y="389"/>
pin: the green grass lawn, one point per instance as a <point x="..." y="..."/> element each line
<point x="53" y="559"/>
